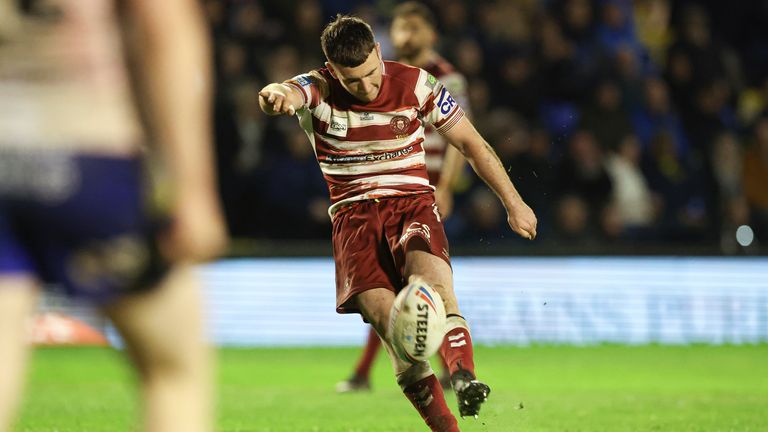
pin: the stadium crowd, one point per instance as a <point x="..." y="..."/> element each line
<point x="620" y="121"/>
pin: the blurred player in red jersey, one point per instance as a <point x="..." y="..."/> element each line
<point x="73" y="202"/>
<point x="365" y="118"/>
<point x="414" y="36"/>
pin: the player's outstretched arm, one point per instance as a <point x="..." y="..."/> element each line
<point x="487" y="165"/>
<point x="169" y="43"/>
<point x="277" y="99"/>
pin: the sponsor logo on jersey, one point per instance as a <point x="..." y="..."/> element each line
<point x="370" y="157"/>
<point x="399" y="124"/>
<point x="446" y="102"/>
<point x="338" y="126"/>
<point x="431" y="81"/>
<point x="366" y="116"/>
<point x="302" y="80"/>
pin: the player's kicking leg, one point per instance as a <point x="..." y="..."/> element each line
<point x="164" y="335"/>
<point x="417" y="381"/>
<point x="17" y="301"/>
<point x="360" y="379"/>
<point x="456" y="348"/>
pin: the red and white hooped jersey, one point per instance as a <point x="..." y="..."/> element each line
<point x="369" y="150"/>
<point x="434" y="144"/>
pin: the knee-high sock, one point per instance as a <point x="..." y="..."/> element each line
<point x="456" y="349"/>
<point x="426" y="395"/>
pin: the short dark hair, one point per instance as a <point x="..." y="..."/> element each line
<point x="415" y="8"/>
<point x="347" y="41"/>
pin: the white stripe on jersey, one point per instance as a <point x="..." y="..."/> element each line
<point x="363" y="147"/>
<point x="355" y="119"/>
<point x="390" y="180"/>
<point x="411" y="161"/>
<point x="422" y="91"/>
<point x="323" y="112"/>
<point x="305" y="121"/>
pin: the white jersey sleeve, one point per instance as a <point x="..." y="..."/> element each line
<point x="440" y="108"/>
<point x="312" y="87"/>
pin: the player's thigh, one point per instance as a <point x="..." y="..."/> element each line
<point x="164" y="327"/>
<point x="18" y="296"/>
<point x="375" y="306"/>
<point x="436" y="272"/>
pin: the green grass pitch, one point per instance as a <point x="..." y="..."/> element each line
<point x="539" y="388"/>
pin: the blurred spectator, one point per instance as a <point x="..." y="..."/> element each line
<point x="479" y="94"/>
<point x="251" y="26"/>
<point x="695" y="60"/>
<point x="656" y="116"/>
<point x="469" y="59"/>
<point x="582" y="175"/>
<point x="216" y="12"/>
<point x="526" y="155"/>
<point x="296" y="192"/>
<point x="733" y="211"/>
<point x="558" y="62"/>
<point x="577" y="19"/>
<point x="727" y="159"/>
<point x="632" y="197"/>
<point x="454" y="18"/>
<point x="710" y="115"/>
<point x="616" y="28"/>
<point x="233" y="62"/>
<point x="284" y="61"/>
<point x="564" y="82"/>
<point x="573" y="222"/>
<point x="756" y="179"/>
<point x="485" y="217"/>
<point x="307" y="23"/>
<point x="753" y="102"/>
<point x="519" y="86"/>
<point x="605" y="116"/>
<point x="652" y="20"/>
<point x="681" y="204"/>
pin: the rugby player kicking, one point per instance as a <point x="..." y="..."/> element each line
<point x="413" y="32"/>
<point x="365" y="118"/>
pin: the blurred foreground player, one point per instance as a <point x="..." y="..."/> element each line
<point x="73" y="203"/>
<point x="414" y="34"/>
<point x="365" y="119"/>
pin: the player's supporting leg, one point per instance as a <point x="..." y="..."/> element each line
<point x="456" y="348"/>
<point x="17" y="301"/>
<point x="417" y="381"/>
<point x="360" y="378"/>
<point x="163" y="331"/>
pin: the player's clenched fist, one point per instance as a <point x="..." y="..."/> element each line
<point x="276" y="99"/>
<point x="522" y="220"/>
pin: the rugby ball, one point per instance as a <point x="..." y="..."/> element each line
<point x="417" y="322"/>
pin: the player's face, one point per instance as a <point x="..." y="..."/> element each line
<point x="363" y="81"/>
<point x="410" y="35"/>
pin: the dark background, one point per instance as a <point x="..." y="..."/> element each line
<point x="630" y="127"/>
